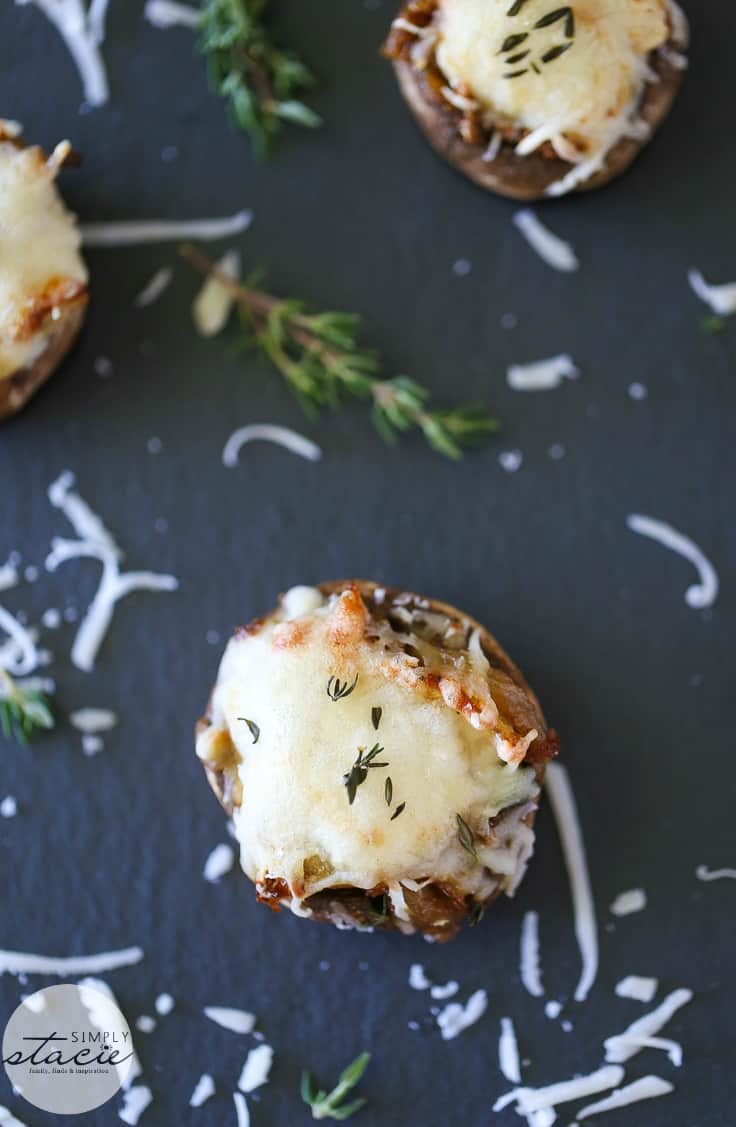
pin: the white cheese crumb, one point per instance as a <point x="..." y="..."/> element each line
<point x="455" y="1018"/>
<point x="529" y="965"/>
<point x="462" y="267"/>
<point x="623" y="1046"/>
<point x="237" y="1021"/>
<point x="637" y="988"/>
<point x="241" y="1109"/>
<point x="634" y="900"/>
<point x="154" y="288"/>
<point x="542" y="375"/>
<point x="212" y="305"/>
<point x="219" y="862"/>
<point x="36" y="1003"/>
<point x="8" y="807"/>
<point x="169" y="13"/>
<point x="266" y="432"/>
<point x="164" y="1004"/>
<point x="51" y="618"/>
<point x="553" y="250"/>
<point x="699" y="595"/>
<point x="135" y="1102"/>
<point x="448" y="990"/>
<point x="204" y="1090"/>
<point x="721" y="299"/>
<point x="154" y="445"/>
<point x="565" y="812"/>
<point x="93" y="720"/>
<point x="508" y="1052"/>
<point x="510" y="460"/>
<point x="638" y="391"/>
<point x="553" y="1010"/>
<point x="704" y="873"/>
<point x="256" y="1068"/>
<point x="649" y="1087"/>
<point x="417" y="978"/>
<point x="145" y="1023"/>
<point x="92" y="745"/>
<point x="8" y="576"/>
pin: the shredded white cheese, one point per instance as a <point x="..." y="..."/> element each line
<point x="135" y="1102"/>
<point x="508" y="1052"/>
<point x="168" y="13"/>
<point x="137" y="232"/>
<point x="154" y="288"/>
<point x="95" y="542"/>
<point x="623" y="1046"/>
<point x="164" y="1004"/>
<point x="18" y="962"/>
<point x="637" y="988"/>
<point x="530" y="1100"/>
<point x="542" y="375"/>
<point x="219" y="862"/>
<point x="455" y="1018"/>
<point x="529" y="966"/>
<point x="699" y="595"/>
<point x="241" y="1109"/>
<point x="92" y="720"/>
<point x="8" y="807"/>
<point x="649" y="1087"/>
<point x="564" y="809"/>
<point x="417" y="978"/>
<point x="445" y="990"/>
<point x="237" y="1021"/>
<point x="212" y="305"/>
<point x="9" y="576"/>
<point x="265" y="432"/>
<point x="553" y="250"/>
<point x="256" y="1068"/>
<point x="8" y="1120"/>
<point x="19" y="656"/>
<point x="721" y="299"/>
<point x="204" y="1090"/>
<point x="553" y="1009"/>
<point x="97" y="19"/>
<point x="145" y="1023"/>
<point x="626" y="903"/>
<point x="704" y="873"/>
<point x="82" y="32"/>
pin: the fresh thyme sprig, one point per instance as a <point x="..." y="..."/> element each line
<point x="337" y="689"/>
<point x="328" y="1105"/>
<point x="260" y="80"/>
<point x="253" y="728"/>
<point x="465" y="836"/>
<point x="319" y="357"/>
<point x="22" y="710"/>
<point x="358" y="773"/>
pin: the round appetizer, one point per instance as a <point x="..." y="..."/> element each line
<point x="381" y="757"/>
<point x="43" y="280"/>
<point x="529" y="98"/>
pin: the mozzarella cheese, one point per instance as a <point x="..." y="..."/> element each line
<point x="582" y="101"/>
<point x="295" y="822"/>
<point x="39" y="253"/>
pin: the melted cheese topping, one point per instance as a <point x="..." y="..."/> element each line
<point x="581" y="101"/>
<point x="295" y="821"/>
<point x="39" y="249"/>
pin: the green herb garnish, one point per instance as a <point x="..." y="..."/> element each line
<point x="714" y="325"/>
<point x="259" y="80"/>
<point x="476" y="914"/>
<point x="326" y="1105"/>
<point x="253" y="728"/>
<point x="465" y="836"/>
<point x="376" y="714"/>
<point x="319" y="357"/>
<point x="338" y="690"/>
<point x="358" y="773"/>
<point x="399" y="810"/>
<point x="388" y="791"/>
<point x="22" y="710"/>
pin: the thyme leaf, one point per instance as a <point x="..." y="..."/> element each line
<point x="253" y="728"/>
<point x="465" y="836"/>
<point x="388" y="791"/>
<point x="358" y="773"/>
<point x="22" y="710"/>
<point x="259" y="80"/>
<point x="376" y="714"/>
<point x="399" y="810"/>
<point x="320" y="359"/>
<point x="329" y="1105"/>
<point x="338" y="690"/>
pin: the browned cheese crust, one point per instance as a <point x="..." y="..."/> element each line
<point x="461" y="139"/>
<point x="17" y="389"/>
<point x="437" y="910"/>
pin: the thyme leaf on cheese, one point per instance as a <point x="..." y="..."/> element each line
<point x="388" y="791"/>
<point x="22" y="710"/>
<point x="358" y="773"/>
<point x="376" y="714"/>
<point x="399" y="810"/>
<point x="465" y="836"/>
<point x="260" y="81"/>
<point x="253" y="728"/>
<point x="338" y="690"/>
<point x="329" y="1105"/>
<point x="319" y="357"/>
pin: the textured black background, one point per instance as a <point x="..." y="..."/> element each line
<point x="108" y="852"/>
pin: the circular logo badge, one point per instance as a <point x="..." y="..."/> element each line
<point x="67" y="1049"/>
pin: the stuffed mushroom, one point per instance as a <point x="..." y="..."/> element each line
<point x="381" y="758"/>
<point x="529" y="98"/>
<point x="43" y="280"/>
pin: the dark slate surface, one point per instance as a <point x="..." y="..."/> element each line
<point x="108" y="852"/>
